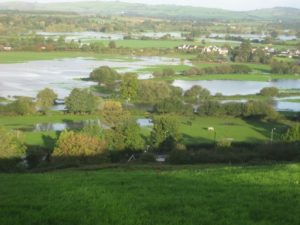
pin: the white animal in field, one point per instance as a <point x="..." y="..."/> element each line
<point x="211" y="129"/>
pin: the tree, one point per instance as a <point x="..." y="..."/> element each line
<point x="243" y="53"/>
<point x="165" y="132"/>
<point x="105" y="76"/>
<point x="78" y="147"/>
<point x="171" y="105"/>
<point x="23" y="106"/>
<point x="93" y="129"/>
<point x="153" y="91"/>
<point x="12" y="144"/>
<point x="274" y="34"/>
<point x="269" y="91"/>
<point x="46" y="98"/>
<point x="126" y="136"/>
<point x="196" y="94"/>
<point x="112" y="44"/>
<point x="292" y="134"/>
<point x="129" y="86"/>
<point x="82" y="101"/>
<point x="113" y="113"/>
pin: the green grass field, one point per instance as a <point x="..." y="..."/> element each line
<point x="146" y="43"/>
<point x="234" y="128"/>
<point x="133" y="195"/>
<point x="27" y="122"/>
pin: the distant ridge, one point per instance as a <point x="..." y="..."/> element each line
<point x="158" y="11"/>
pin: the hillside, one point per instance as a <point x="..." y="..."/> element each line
<point x="160" y="11"/>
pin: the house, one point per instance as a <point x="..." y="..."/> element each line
<point x="215" y="49"/>
<point x="5" y="48"/>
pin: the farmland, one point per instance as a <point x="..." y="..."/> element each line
<point x="215" y="194"/>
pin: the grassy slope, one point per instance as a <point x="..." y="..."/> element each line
<point x="211" y="195"/>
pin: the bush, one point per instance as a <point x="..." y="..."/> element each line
<point x="78" y="147"/>
<point x="224" y="143"/>
<point x="180" y="157"/>
<point x="147" y="158"/>
<point x="269" y="91"/>
<point x="12" y="148"/>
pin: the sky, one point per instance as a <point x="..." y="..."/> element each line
<point x="224" y="4"/>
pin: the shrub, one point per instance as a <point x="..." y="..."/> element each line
<point x="180" y="157"/>
<point x="79" y="147"/>
<point x="147" y="158"/>
<point x="82" y="101"/>
<point x="269" y="91"/>
<point x="12" y="148"/>
<point x="224" y="143"/>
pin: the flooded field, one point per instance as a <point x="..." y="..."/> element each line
<point x="26" y="79"/>
<point x="231" y="87"/>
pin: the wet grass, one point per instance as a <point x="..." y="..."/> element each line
<point x="190" y="195"/>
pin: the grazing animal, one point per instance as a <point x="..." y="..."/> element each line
<point x="211" y="129"/>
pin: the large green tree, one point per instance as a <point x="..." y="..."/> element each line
<point x="46" y="98"/>
<point x="82" y="101"/>
<point x="105" y="76"/>
<point x="129" y="86"/>
<point x="196" y="94"/>
<point x="23" y="106"/>
<point x="165" y="133"/>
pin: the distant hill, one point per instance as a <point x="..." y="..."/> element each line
<point x="159" y="11"/>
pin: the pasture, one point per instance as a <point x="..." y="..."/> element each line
<point x="158" y="195"/>
<point x="193" y="129"/>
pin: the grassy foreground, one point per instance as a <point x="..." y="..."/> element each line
<point x="216" y="195"/>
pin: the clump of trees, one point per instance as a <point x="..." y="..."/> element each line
<point x="165" y="133"/>
<point x="45" y="99"/>
<point x="166" y="72"/>
<point x="269" y="91"/>
<point x="148" y="91"/>
<point x="196" y="94"/>
<point x="257" y="109"/>
<point x="129" y="86"/>
<point x="82" y="101"/>
<point x="246" y="53"/>
<point x="105" y="76"/>
<point x="223" y="69"/>
<point x="123" y="132"/>
<point x="12" y="148"/>
<point x="292" y="134"/>
<point x="22" y="106"/>
<point x="284" y="67"/>
<point x="79" y="147"/>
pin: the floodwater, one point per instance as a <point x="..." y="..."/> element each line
<point x="255" y="36"/>
<point x="280" y="104"/>
<point x="26" y="79"/>
<point x="231" y="87"/>
<point x="43" y="127"/>
<point x="90" y="35"/>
